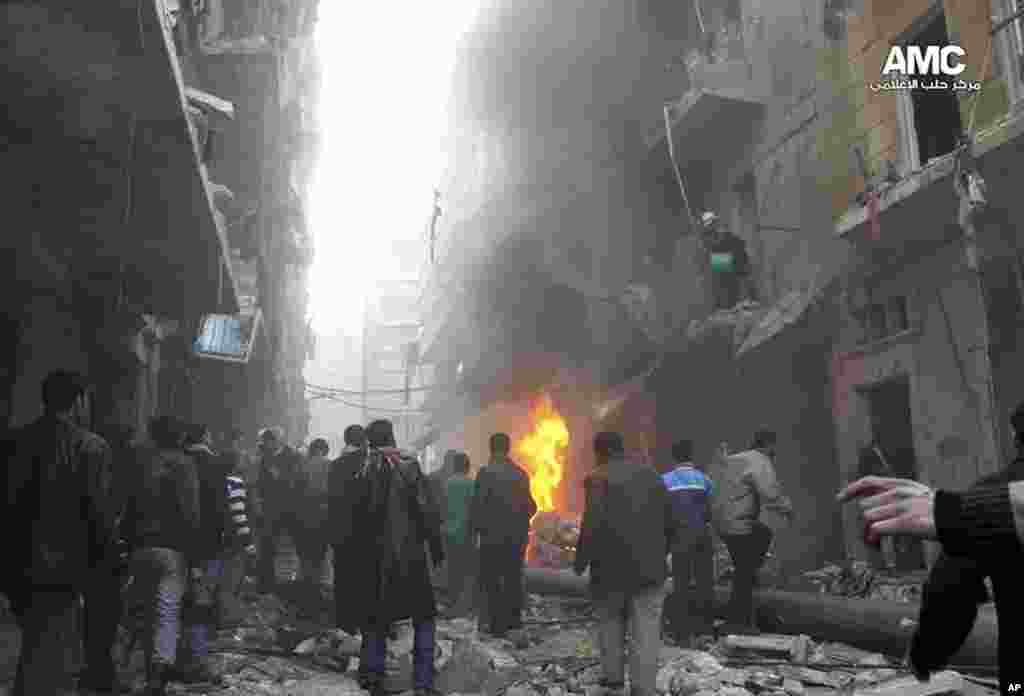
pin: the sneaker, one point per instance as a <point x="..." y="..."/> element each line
<point x="426" y="692"/>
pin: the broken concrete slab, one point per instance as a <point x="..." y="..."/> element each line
<point x="768" y="645"/>
<point x="948" y="682"/>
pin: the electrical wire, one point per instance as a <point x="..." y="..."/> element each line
<point x="352" y="404"/>
<point x="356" y="392"/>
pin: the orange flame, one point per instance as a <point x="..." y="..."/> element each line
<point x="544" y="451"/>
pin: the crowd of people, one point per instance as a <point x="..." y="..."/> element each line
<point x="180" y="522"/>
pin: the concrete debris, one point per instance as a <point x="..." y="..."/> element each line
<point x="277" y="653"/>
<point x="858" y="579"/>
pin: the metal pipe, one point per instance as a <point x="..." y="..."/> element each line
<point x="878" y="625"/>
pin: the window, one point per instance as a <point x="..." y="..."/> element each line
<point x="1008" y="44"/>
<point x="929" y="120"/>
<point x="883" y="317"/>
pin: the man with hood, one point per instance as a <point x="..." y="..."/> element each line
<point x="386" y="518"/>
<point x="278" y="486"/>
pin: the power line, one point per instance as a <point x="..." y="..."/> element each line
<point x="358" y="393"/>
<point x="403" y="411"/>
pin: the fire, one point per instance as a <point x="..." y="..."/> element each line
<point x="544" y="451"/>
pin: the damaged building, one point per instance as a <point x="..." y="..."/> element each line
<point x="569" y="262"/>
<point x="159" y="156"/>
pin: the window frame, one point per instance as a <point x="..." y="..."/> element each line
<point x="1008" y="44"/>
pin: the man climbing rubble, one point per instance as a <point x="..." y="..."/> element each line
<point x="731" y="281"/>
<point x="390" y="518"/>
<point x="746" y="487"/>
<point x="627" y="531"/>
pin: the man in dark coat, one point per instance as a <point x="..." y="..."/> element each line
<point x="339" y="515"/>
<point x="278" y="490"/>
<point x="501" y="511"/>
<point x="60" y="489"/>
<point x="627" y="531"/>
<point x="387" y="518"/>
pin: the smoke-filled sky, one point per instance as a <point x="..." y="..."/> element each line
<point x="386" y="82"/>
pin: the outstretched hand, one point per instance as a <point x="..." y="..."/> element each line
<point x="893" y="507"/>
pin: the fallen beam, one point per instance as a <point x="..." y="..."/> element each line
<point x="877" y="625"/>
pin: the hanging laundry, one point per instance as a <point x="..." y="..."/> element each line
<point x="874" y="225"/>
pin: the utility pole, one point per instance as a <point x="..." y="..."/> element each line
<point x="366" y="358"/>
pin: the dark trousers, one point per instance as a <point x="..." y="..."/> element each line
<point x="373" y="655"/>
<point x="501" y="575"/>
<point x="103" y="607"/>
<point x="270" y="535"/>
<point x="461" y="557"/>
<point x="748" y="553"/>
<point x="48" y="637"/>
<point x="688" y="610"/>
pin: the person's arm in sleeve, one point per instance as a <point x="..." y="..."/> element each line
<point x="672" y="522"/>
<point x="980" y="523"/>
<point x="478" y="506"/>
<point x="188" y="482"/>
<point x="949" y="607"/>
<point x="99" y="470"/>
<point x="762" y="476"/>
<point x="430" y="514"/>
<point x="582" y="560"/>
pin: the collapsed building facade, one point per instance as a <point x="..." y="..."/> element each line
<point x="567" y="261"/>
<point x="159" y="156"/>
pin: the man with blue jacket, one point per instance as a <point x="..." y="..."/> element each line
<point x="689" y="489"/>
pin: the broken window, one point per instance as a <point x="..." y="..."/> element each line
<point x="931" y="117"/>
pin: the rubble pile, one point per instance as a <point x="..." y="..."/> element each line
<point x="740" y="320"/>
<point x="778" y="665"/>
<point x="553" y="539"/>
<point x="276" y="652"/>
<point x="858" y="579"/>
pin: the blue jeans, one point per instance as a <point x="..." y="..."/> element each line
<point x="373" y="657"/>
<point x="201" y="617"/>
<point x="160" y="576"/>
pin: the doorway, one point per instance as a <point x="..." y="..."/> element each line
<point x="893" y="432"/>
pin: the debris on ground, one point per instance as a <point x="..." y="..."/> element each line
<point x="553" y="539"/>
<point x="858" y="579"/>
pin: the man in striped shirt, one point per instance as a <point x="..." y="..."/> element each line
<point x="690" y="491"/>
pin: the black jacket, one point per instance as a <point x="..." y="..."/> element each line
<point x="956" y="587"/>
<point x="279" y="486"/>
<point x="627" y="530"/>
<point x="212" y="473"/>
<point x="387" y="517"/>
<point x="164" y="510"/>
<point x="502" y="504"/>
<point x="60" y="492"/>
